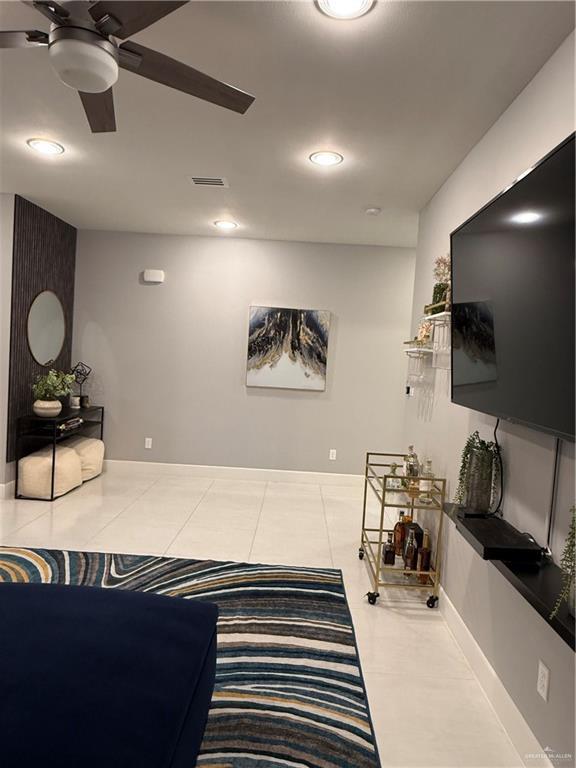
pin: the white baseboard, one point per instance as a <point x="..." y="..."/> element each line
<point x="7" y="490"/>
<point x="238" y="473"/>
<point x="518" y="730"/>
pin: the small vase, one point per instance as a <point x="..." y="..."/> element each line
<point x="47" y="408"/>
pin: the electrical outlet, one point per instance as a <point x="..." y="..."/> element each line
<point x="148" y="442"/>
<point x="543" y="682"/>
<point x="332" y="454"/>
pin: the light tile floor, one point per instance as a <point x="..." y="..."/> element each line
<point x="428" y="708"/>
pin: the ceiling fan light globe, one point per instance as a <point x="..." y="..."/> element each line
<point x="83" y="66"/>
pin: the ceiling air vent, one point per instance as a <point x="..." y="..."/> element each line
<point x="209" y="181"/>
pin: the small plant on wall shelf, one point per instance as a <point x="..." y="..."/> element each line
<point x="568" y="567"/>
<point x="441" y="292"/>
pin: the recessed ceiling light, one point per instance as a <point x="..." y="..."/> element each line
<point x="345" y="9"/>
<point x="326" y="158"/>
<point x="373" y="211"/>
<point x="526" y="217"/>
<point x="45" y="147"/>
<point x="225" y="225"/>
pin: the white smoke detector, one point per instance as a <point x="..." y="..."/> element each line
<point x="153" y="275"/>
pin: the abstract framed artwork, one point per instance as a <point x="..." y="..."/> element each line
<point x="287" y="348"/>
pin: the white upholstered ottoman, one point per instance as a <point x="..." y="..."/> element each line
<point x="35" y="473"/>
<point x="91" y="454"/>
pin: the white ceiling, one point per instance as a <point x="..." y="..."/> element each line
<point x="403" y="93"/>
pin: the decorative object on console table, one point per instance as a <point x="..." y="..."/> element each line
<point x="47" y="389"/>
<point x="81" y="372"/>
<point x="568" y="566"/>
<point x="479" y="476"/>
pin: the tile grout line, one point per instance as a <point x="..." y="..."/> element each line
<point x="258" y="521"/>
<point x="113" y="519"/>
<point x="179" y="531"/>
<point x="92" y="536"/>
<point x="28" y="522"/>
<point x="327" y="529"/>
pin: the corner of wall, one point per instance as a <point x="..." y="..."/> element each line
<point x="6" y="245"/>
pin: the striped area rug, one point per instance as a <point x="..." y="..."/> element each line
<point x="289" y="689"/>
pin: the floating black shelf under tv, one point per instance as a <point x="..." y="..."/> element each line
<point x="513" y="301"/>
<point x="520" y="561"/>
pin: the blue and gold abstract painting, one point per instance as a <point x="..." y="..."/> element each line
<point x="287" y="348"/>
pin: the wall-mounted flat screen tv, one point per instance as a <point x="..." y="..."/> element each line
<point x="513" y="301"/>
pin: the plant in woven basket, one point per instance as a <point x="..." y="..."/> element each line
<point x="479" y="474"/>
<point x="441" y="274"/>
<point x="52" y="385"/>
<point x="439" y="293"/>
<point x="568" y="567"/>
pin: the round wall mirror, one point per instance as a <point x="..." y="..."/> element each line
<point x="46" y="328"/>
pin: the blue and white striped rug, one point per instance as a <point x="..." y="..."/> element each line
<point x="289" y="689"/>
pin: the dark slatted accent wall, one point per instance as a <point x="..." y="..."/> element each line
<point x="44" y="258"/>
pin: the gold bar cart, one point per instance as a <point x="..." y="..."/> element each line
<point x="378" y="477"/>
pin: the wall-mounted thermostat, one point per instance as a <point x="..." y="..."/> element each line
<point x="153" y="275"/>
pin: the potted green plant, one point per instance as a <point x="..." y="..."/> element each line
<point x="479" y="474"/>
<point x="47" y="389"/>
<point x="568" y="567"/>
<point x="441" y="291"/>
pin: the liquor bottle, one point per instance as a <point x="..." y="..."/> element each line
<point x="389" y="551"/>
<point x="411" y="471"/>
<point x="411" y="463"/>
<point x="399" y="535"/>
<point x="427" y="483"/>
<point x="418" y="532"/>
<point x="394" y="482"/>
<point x="424" y="557"/>
<point x="411" y="551"/>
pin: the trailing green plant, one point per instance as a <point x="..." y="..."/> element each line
<point x="475" y="444"/>
<point x="567" y="565"/>
<point x="52" y="385"/>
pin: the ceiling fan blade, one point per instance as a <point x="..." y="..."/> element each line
<point x="132" y="15"/>
<point x="52" y="10"/>
<point x="162" y="69"/>
<point x="30" y="38"/>
<point x="99" y="108"/>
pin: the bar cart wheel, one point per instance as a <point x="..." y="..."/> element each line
<point x="361" y="553"/>
<point x="372" y="597"/>
<point x="432" y="601"/>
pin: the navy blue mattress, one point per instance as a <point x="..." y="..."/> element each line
<point x="94" y="678"/>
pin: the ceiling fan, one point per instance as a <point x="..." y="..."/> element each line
<point x="85" y="55"/>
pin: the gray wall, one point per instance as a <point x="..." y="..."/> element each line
<point x="511" y="634"/>
<point x="169" y="360"/>
<point x="6" y="238"/>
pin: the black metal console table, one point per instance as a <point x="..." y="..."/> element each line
<point x="35" y="432"/>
